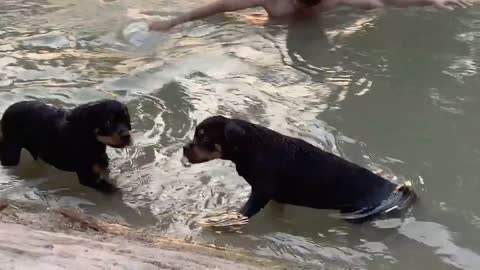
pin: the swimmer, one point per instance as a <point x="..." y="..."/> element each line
<point x="282" y="8"/>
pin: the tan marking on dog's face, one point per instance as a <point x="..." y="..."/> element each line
<point x="204" y="147"/>
<point x="114" y="140"/>
<point x="199" y="155"/>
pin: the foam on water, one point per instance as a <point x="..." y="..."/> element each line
<point x="138" y="35"/>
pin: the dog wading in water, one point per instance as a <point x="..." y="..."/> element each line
<point x="290" y="170"/>
<point x="73" y="140"/>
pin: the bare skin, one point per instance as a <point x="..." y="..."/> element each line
<point x="280" y="8"/>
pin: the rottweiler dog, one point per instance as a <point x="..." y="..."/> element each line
<point x="70" y="140"/>
<point x="293" y="171"/>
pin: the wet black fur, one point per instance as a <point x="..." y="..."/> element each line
<point x="64" y="139"/>
<point x="290" y="170"/>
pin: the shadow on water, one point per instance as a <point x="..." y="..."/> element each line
<point x="390" y="83"/>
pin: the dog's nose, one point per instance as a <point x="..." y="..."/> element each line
<point x="187" y="147"/>
<point x="125" y="136"/>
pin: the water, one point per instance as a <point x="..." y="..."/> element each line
<point x="394" y="91"/>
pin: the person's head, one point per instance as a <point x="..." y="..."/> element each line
<point x="308" y="3"/>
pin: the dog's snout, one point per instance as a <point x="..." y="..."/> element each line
<point x="124" y="134"/>
<point x="127" y="140"/>
<point x="187" y="147"/>
<point x="125" y="137"/>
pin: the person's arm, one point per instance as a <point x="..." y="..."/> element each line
<point x="371" y="4"/>
<point x="219" y="6"/>
<point x="444" y="4"/>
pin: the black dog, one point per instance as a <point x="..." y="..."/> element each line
<point x="73" y="140"/>
<point x="290" y="170"/>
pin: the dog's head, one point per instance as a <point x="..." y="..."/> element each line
<point x="107" y="120"/>
<point x="215" y="137"/>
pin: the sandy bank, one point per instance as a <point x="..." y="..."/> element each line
<point x="39" y="240"/>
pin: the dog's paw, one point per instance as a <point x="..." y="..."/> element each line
<point x="107" y="187"/>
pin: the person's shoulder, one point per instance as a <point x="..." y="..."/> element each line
<point x="279" y="8"/>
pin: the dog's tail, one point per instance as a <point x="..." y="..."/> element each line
<point x="402" y="197"/>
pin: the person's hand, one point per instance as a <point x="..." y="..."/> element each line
<point x="160" y="26"/>
<point x="451" y="4"/>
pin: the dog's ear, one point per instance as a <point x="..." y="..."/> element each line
<point x="82" y="115"/>
<point x="233" y="132"/>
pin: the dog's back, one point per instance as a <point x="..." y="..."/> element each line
<point x="308" y="176"/>
<point x="30" y="119"/>
<point x="31" y="125"/>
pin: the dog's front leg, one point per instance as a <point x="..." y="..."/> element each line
<point x="255" y="203"/>
<point x="91" y="177"/>
<point x="9" y="154"/>
<point x="100" y="167"/>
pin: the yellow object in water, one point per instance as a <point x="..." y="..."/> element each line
<point x="408" y="183"/>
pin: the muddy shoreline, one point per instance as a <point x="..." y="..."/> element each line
<point x="33" y="238"/>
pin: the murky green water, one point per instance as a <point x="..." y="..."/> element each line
<point x="395" y="91"/>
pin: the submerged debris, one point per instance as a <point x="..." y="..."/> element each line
<point x="112" y="228"/>
<point x="230" y="220"/>
<point x="3" y="204"/>
<point x="89" y="222"/>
